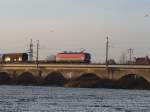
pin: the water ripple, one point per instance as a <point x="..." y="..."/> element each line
<point x="50" y="99"/>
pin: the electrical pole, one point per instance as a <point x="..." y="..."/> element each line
<point x="37" y="55"/>
<point x="107" y="46"/>
<point x="31" y="51"/>
<point x="130" y="51"/>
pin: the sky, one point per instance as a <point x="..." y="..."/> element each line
<point x="71" y="25"/>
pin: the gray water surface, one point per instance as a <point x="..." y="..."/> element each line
<point x="56" y="99"/>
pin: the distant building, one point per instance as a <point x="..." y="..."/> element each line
<point x="142" y="60"/>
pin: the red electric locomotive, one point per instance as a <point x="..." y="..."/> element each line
<point x="73" y="57"/>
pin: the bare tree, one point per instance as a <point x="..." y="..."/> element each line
<point x="123" y="58"/>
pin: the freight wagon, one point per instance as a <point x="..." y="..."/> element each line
<point x="14" y="57"/>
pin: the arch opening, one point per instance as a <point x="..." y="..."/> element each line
<point x="133" y="81"/>
<point x="88" y="80"/>
<point x="5" y="78"/>
<point x="55" y="79"/>
<point x="26" y="78"/>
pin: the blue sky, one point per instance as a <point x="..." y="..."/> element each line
<point x="74" y="24"/>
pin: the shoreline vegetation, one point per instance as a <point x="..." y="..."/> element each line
<point x="82" y="82"/>
<point x="105" y="83"/>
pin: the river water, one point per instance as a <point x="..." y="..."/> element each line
<point x="57" y="99"/>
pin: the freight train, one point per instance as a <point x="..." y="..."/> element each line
<point x="64" y="57"/>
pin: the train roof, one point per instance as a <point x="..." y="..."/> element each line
<point x="13" y="53"/>
<point x="65" y="52"/>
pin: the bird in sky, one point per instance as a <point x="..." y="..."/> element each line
<point x="147" y="15"/>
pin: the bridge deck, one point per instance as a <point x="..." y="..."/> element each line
<point x="75" y="66"/>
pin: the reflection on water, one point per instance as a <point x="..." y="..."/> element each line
<point x="55" y="99"/>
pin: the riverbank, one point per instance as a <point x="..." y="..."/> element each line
<point x="85" y="83"/>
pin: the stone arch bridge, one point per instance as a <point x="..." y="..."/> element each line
<point x="73" y="71"/>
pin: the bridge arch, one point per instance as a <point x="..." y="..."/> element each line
<point x="133" y="81"/>
<point x="26" y="78"/>
<point x="89" y="80"/>
<point x="88" y="76"/>
<point x="145" y="75"/>
<point x="55" y="78"/>
<point x="5" y="78"/>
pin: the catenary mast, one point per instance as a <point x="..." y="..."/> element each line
<point x="31" y="51"/>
